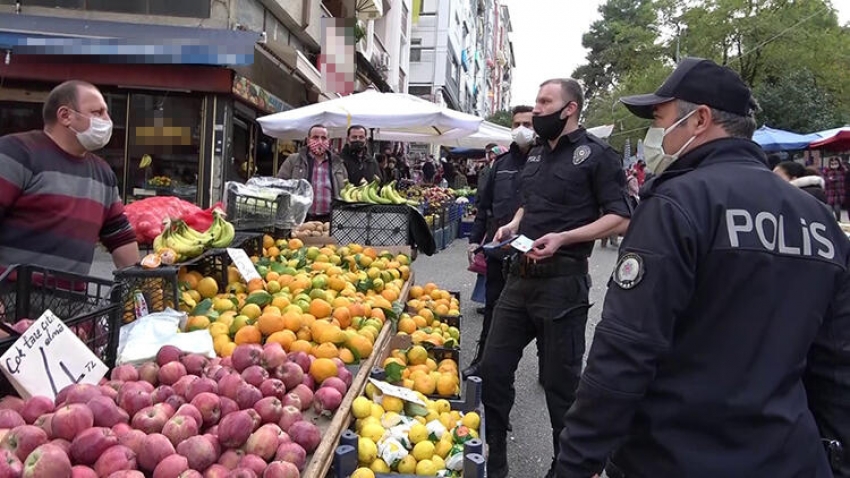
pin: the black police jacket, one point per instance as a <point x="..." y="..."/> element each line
<point x="731" y="291"/>
<point x="358" y="169"/>
<point x="498" y="195"/>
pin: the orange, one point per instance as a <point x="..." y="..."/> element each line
<point x="326" y="350"/>
<point x="420" y="322"/>
<point x="273" y="251"/>
<point x="429" y="287"/>
<point x="270" y="323"/>
<point x="346" y="356"/>
<point x="417" y="355"/>
<point x="280" y="302"/>
<point x="432" y="365"/>
<point x="389" y="294"/>
<point x="322" y="369"/>
<point x="390" y="360"/>
<point x="227" y="349"/>
<point x="285" y="280"/>
<point x="308" y="319"/>
<point x="362" y="344"/>
<point x="248" y="334"/>
<point x="272" y="276"/>
<point x="256" y="284"/>
<point x="407" y="325"/>
<point x="446" y="385"/>
<point x="190" y="279"/>
<point x="415" y="292"/>
<point x="268" y="241"/>
<point x="330" y="333"/>
<point x="370" y="252"/>
<point x="320" y="308"/>
<point x="424" y="384"/>
<point x="197" y="322"/>
<point x="335" y="283"/>
<point x="207" y="287"/>
<point x="427" y="315"/>
<point x="285" y="338"/>
<point x="301" y="346"/>
<point x="379" y="314"/>
<point x="343" y="315"/>
<point x="295" y="244"/>
<point x="357" y="310"/>
<point x="304" y="334"/>
<point x="292" y="321"/>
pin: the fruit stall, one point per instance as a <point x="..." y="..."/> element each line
<point x="302" y="336"/>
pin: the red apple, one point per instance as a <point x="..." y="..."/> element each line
<point x="90" y="444"/>
<point x="273" y="356"/>
<point x="120" y="429"/>
<point x="234" y="429"/>
<point x="181" y="387"/>
<point x="161" y="393"/>
<point x="179" y="428"/>
<point x="154" y="449"/>
<point x="149" y="372"/>
<point x="171" y="372"/>
<point x="264" y="441"/>
<point x="116" y="458"/>
<point x="229" y="385"/>
<point x="168" y="354"/>
<point x="81" y="393"/>
<point x="216" y="471"/>
<point x="228" y="406"/>
<point x="194" y="363"/>
<point x="133" y="401"/>
<point x="11" y="419"/>
<point x="273" y="387"/>
<point x="292" y="453"/>
<point x="35" y="407"/>
<point x="47" y="460"/>
<point x="176" y="401"/>
<point x="306" y="434"/>
<point x="126" y="474"/>
<point x="305" y="394"/>
<point x="210" y="407"/>
<point x="70" y="420"/>
<point x="230" y="459"/>
<point x="255" y="375"/>
<point x="80" y="471"/>
<point x="253" y="463"/>
<point x="243" y="473"/>
<point x="106" y="413"/>
<point x="11" y="402"/>
<point x="281" y="469"/>
<point x="199" y="451"/>
<point x="133" y="439"/>
<point x="125" y="373"/>
<point x="45" y="422"/>
<point x="189" y="410"/>
<point x="149" y="420"/>
<point x="246" y="355"/>
<point x="270" y="409"/>
<point x="10" y="465"/>
<point x="200" y="386"/>
<point x="256" y="417"/>
<point x="290" y="373"/>
<point x="247" y="395"/>
<point x="171" y="467"/>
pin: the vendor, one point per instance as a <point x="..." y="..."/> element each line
<point x="324" y="171"/>
<point x="358" y="162"/>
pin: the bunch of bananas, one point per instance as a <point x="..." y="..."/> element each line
<point x="189" y="243"/>
<point x="371" y="193"/>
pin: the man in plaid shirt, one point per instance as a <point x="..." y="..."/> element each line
<point x="323" y="169"/>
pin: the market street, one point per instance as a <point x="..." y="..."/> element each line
<point x="530" y="443"/>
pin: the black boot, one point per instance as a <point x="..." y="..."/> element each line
<point x="497" y="455"/>
<point x="474" y="370"/>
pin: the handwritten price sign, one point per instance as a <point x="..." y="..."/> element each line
<point x="48" y="357"/>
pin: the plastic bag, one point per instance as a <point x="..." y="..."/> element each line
<point x="147" y="216"/>
<point x="139" y="341"/>
<point x="288" y="201"/>
<point x="202" y="220"/>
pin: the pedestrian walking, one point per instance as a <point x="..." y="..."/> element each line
<point x="834" y="177"/>
<point x="703" y="364"/>
<point x="571" y="194"/>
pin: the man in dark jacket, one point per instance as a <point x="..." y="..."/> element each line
<point x="429" y="170"/>
<point x="358" y="162"/>
<point x="703" y="365"/>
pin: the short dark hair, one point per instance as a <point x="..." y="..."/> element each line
<point x="317" y="125"/>
<point x="735" y="125"/>
<point x="570" y="90"/>
<point x="353" y="127"/>
<point x="66" y="94"/>
<point x="489" y="147"/>
<point x="521" y="109"/>
<point x="793" y="169"/>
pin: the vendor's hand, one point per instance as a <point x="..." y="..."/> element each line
<point x="505" y="232"/>
<point x="546" y="246"/>
<point x="470" y="251"/>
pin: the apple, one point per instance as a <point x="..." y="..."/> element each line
<point x="80" y="393"/>
<point x="194" y="363"/>
<point x="70" y="420"/>
<point x="255" y="375"/>
<point x="80" y="471"/>
<point x="181" y="387"/>
<point x="115" y="458"/>
<point x="133" y="439"/>
<point x="47" y="460"/>
<point x="106" y="413"/>
<point x="90" y="444"/>
<point x="246" y="355"/>
<point x="264" y="441"/>
<point x="149" y="372"/>
<point x="281" y="469"/>
<point x="11" y="419"/>
<point x="270" y="409"/>
<point x="200" y="386"/>
<point x="35" y="407"/>
<point x="179" y="428"/>
<point x="171" y="372"/>
<point x="10" y="465"/>
<point x="198" y="451"/>
<point x="168" y="354"/>
<point x="234" y="429"/>
<point x="155" y="448"/>
<point x="210" y="407"/>
<point x="171" y="466"/>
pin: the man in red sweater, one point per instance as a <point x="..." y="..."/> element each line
<point x="57" y="198"/>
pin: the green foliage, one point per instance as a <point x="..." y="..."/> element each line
<point x="502" y="118"/>
<point x="793" y="53"/>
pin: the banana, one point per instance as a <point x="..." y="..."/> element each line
<point x="159" y="241"/>
<point x="185" y="249"/>
<point x="145" y="161"/>
<point x="225" y="232"/>
<point x="382" y="196"/>
<point x="193" y="235"/>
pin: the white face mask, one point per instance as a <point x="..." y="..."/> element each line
<point x="522" y="136"/>
<point x="97" y="135"/>
<point x="656" y="159"/>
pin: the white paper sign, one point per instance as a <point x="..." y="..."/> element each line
<point x="522" y="244"/>
<point x="398" y="392"/>
<point x="243" y="264"/>
<point x="48" y="357"/>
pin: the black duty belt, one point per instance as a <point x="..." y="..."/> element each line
<point x="554" y="266"/>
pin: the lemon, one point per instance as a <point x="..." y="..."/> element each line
<point x="407" y="465"/>
<point x="426" y="468"/>
<point x="392" y="404"/>
<point x="442" y="405"/>
<point x="363" y="473"/>
<point x="439" y="463"/>
<point x="365" y="421"/>
<point x="377" y="411"/>
<point x="471" y="420"/>
<point x="418" y="433"/>
<point x="446" y="420"/>
<point x="390" y="419"/>
<point x="443" y="448"/>
<point x="423" y="450"/>
<point x="380" y="466"/>
<point x="223" y="305"/>
<point x="371" y="390"/>
<point x="362" y="407"/>
<point x="372" y="431"/>
<point x="367" y="451"/>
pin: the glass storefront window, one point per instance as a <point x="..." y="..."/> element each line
<point x="166" y="128"/>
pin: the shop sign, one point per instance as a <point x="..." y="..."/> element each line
<point x="257" y="96"/>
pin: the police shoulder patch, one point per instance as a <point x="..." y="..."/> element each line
<point x="629" y="271"/>
<point x="580" y="154"/>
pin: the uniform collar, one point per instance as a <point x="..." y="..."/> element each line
<point x="567" y="139"/>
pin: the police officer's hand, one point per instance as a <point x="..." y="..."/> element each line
<point x="545" y="247"/>
<point x="504" y="232"/>
<point x="470" y="251"/>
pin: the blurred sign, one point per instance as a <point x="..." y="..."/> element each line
<point x="257" y="96"/>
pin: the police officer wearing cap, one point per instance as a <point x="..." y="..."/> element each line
<point x="497" y="202"/>
<point x="724" y="344"/>
<point x="572" y="192"/>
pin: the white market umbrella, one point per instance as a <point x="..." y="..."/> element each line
<point x="601" y="132"/>
<point x="392" y="116"/>
<point x="487" y="133"/>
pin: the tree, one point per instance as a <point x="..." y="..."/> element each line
<point x="813" y="108"/>
<point x="502" y="118"/>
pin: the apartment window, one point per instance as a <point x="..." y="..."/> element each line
<point x="421" y="55"/>
<point x="453" y="73"/>
<point x="428" y="7"/>
<point x="183" y="8"/>
<point x="415" y="41"/>
<point x="422" y="91"/>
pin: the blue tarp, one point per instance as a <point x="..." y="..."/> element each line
<point x="778" y="140"/>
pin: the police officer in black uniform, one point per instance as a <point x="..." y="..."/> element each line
<point x="497" y="202"/>
<point x="724" y="345"/>
<point x="572" y="192"/>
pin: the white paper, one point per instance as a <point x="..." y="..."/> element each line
<point x="398" y="392"/>
<point x="141" y="340"/>
<point x="522" y="244"/>
<point x="243" y="264"/>
<point x="48" y="357"/>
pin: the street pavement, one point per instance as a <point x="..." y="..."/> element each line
<point x="529" y="447"/>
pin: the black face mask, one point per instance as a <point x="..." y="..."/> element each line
<point x="356" y="146"/>
<point x="549" y="127"/>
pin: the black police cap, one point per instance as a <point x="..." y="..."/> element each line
<point x="698" y="81"/>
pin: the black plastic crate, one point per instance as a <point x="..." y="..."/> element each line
<point x="252" y="213"/>
<point x="158" y="287"/>
<point x="89" y="306"/>
<point x="371" y="225"/>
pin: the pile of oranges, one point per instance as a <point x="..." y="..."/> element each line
<point x="420" y="372"/>
<point x="330" y="302"/>
<point x="429" y="300"/>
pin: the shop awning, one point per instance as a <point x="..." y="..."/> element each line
<point x="119" y="42"/>
<point x="369" y="9"/>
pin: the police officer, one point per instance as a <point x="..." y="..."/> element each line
<point x="728" y="309"/>
<point x="566" y="182"/>
<point x="497" y="201"/>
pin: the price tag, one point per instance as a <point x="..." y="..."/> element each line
<point x="48" y="357"/>
<point x="398" y="392"/>
<point x="522" y="244"/>
<point x="243" y="264"/>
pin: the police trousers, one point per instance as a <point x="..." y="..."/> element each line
<point x="553" y="309"/>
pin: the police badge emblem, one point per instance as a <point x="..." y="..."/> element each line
<point x="580" y="154"/>
<point x="629" y="271"/>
